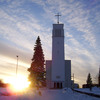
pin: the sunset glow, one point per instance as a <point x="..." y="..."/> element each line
<point x="20" y="83"/>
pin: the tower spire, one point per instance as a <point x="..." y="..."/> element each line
<point x="58" y="15"/>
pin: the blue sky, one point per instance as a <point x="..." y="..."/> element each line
<point x="21" y="21"/>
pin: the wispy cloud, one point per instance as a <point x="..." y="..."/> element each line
<point x="74" y="14"/>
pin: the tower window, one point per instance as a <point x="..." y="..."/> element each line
<point x="57" y="77"/>
<point x="58" y="32"/>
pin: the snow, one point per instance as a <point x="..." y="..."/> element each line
<point x="45" y="94"/>
<point x="94" y="90"/>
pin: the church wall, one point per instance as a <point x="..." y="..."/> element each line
<point x="58" y="70"/>
<point x="67" y="73"/>
<point x="48" y="72"/>
<point x="58" y="26"/>
<point x="58" y="63"/>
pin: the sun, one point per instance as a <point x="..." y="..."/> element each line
<point x="19" y="83"/>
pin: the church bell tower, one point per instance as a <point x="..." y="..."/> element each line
<point x="58" y="70"/>
<point x="58" y="64"/>
<point x="58" y="61"/>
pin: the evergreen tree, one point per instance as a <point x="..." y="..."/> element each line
<point x="37" y="70"/>
<point x="89" y="79"/>
<point x="38" y="56"/>
<point x="99" y="78"/>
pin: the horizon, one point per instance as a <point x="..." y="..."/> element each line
<point x="21" y="22"/>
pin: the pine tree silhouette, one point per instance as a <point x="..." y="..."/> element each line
<point x="89" y="81"/>
<point x="99" y="78"/>
<point x="37" y="70"/>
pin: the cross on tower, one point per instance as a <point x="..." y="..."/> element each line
<point x="58" y="17"/>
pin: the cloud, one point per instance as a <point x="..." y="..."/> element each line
<point x="8" y="61"/>
<point x="18" y="30"/>
<point x="74" y="14"/>
<point x="81" y="59"/>
<point x="23" y="29"/>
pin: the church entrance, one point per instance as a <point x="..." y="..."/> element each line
<point x="55" y="85"/>
<point x="58" y="85"/>
<point x="61" y="85"/>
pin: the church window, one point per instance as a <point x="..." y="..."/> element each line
<point x="61" y="85"/>
<point x="57" y="85"/>
<point x="57" y="77"/>
<point x="54" y="85"/>
<point x="57" y="32"/>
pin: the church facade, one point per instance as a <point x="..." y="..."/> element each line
<point x="58" y="70"/>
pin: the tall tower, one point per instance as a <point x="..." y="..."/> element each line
<point x="58" y="61"/>
<point x="58" y="70"/>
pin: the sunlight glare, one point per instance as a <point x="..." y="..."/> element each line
<point x="19" y="83"/>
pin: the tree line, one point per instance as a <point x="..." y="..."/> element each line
<point x="89" y="82"/>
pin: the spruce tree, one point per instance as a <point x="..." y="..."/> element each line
<point x="89" y="81"/>
<point x="37" y="70"/>
<point x="99" y="78"/>
<point x="38" y="56"/>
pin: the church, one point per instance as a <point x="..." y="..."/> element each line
<point x="58" y="70"/>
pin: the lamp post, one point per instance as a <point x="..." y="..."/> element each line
<point x="17" y="65"/>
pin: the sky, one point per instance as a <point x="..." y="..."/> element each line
<point x="22" y="21"/>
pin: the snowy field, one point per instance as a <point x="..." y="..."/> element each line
<point x="44" y="94"/>
<point x="95" y="90"/>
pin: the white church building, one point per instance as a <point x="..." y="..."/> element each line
<point x="58" y="70"/>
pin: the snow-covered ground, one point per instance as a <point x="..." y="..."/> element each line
<point x="94" y="90"/>
<point x="45" y="94"/>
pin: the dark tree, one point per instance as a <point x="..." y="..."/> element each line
<point x="1" y="83"/>
<point x="89" y="81"/>
<point x="37" y="70"/>
<point x="99" y="78"/>
<point x="38" y="56"/>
